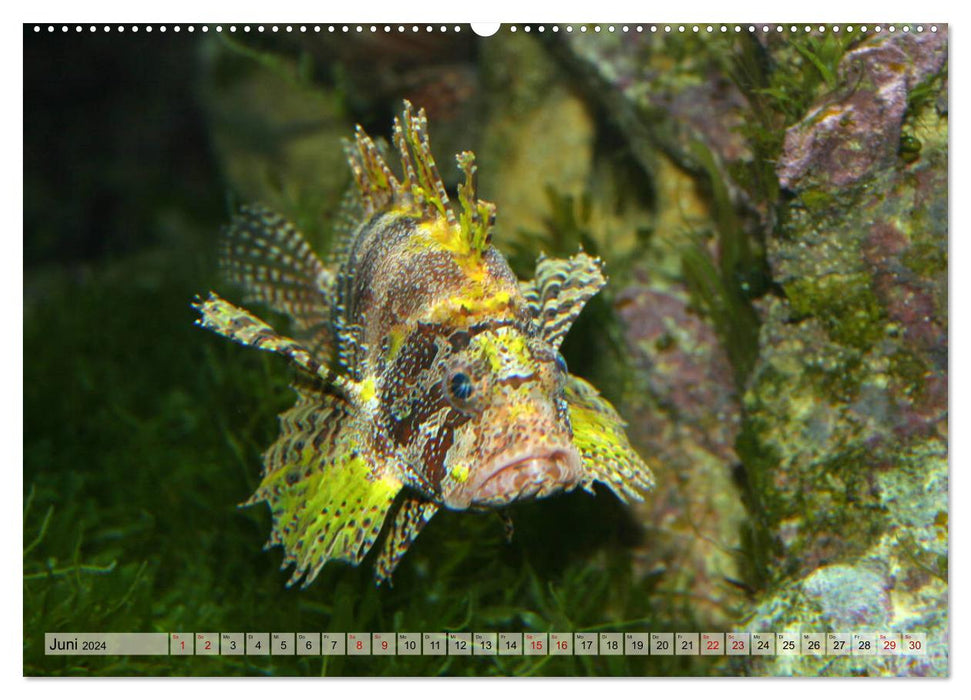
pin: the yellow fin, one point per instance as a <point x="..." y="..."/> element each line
<point x="328" y="502"/>
<point x="598" y="434"/>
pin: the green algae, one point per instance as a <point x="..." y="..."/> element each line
<point x="846" y="304"/>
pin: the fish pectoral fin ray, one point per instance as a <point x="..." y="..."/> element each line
<point x="598" y="434"/>
<point x="346" y="220"/>
<point x="558" y="293"/>
<point x="335" y="513"/>
<point x="235" y="323"/>
<point x="327" y="499"/>
<point x="269" y="258"/>
<point x="408" y="523"/>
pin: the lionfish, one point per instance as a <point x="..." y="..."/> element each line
<point x="427" y="375"/>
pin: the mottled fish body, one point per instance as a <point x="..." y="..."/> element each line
<point x="427" y="374"/>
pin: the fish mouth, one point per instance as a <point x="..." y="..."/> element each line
<point x="531" y="475"/>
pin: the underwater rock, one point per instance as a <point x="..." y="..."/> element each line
<point x="857" y="133"/>
<point x="665" y="93"/>
<point x="686" y="415"/>
<point x="844" y="435"/>
<point x="378" y="69"/>
<point x="684" y="365"/>
<point x="850" y="597"/>
<point x="538" y="134"/>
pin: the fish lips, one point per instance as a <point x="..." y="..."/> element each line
<point x="519" y="477"/>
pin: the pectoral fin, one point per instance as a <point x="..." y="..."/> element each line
<point x="270" y="259"/>
<point x="598" y="434"/>
<point x="328" y="501"/>
<point x="237" y="324"/>
<point x="411" y="518"/>
<point x="559" y="291"/>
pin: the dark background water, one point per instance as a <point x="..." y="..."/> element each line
<point x="114" y="134"/>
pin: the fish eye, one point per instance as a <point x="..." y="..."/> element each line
<point x="460" y="385"/>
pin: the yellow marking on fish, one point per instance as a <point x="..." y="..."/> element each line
<point x="396" y="338"/>
<point x="497" y="349"/>
<point x="448" y="236"/>
<point x="478" y="302"/>
<point x="368" y="389"/>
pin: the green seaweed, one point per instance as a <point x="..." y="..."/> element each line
<point x="724" y="288"/>
<point x="779" y="90"/>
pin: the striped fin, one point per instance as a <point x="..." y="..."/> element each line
<point x="268" y="257"/>
<point x="345" y="223"/>
<point x="351" y="350"/>
<point x="560" y="290"/>
<point x="408" y="523"/>
<point x="221" y="317"/>
<point x="328" y="502"/>
<point x="598" y="434"/>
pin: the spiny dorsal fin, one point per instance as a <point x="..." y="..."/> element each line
<point x="559" y="292"/>
<point x="379" y="189"/>
<point x="421" y="173"/>
<point x="327" y="501"/>
<point x="268" y="257"/>
<point x="421" y="188"/>
<point x="409" y="521"/>
<point x="598" y="434"/>
<point x="478" y="216"/>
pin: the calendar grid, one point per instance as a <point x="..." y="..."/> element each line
<point x="475" y="644"/>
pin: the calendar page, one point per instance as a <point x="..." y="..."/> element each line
<point x="524" y="349"/>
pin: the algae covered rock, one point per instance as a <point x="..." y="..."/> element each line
<point x="664" y="92"/>
<point x="685" y="413"/>
<point x="843" y="140"/>
<point x="800" y="352"/>
<point x="845" y="432"/>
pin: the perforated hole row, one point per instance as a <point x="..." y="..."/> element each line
<point x="513" y="28"/>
